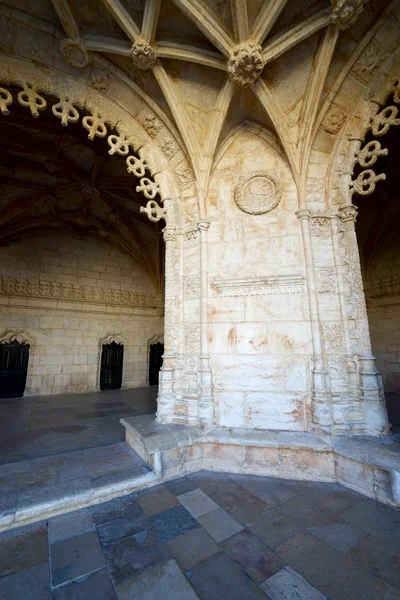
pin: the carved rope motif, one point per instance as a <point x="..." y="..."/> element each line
<point x="94" y="123"/>
<point x="366" y="157"/>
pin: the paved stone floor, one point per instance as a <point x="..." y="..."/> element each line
<point x="213" y="537"/>
<point x="31" y="427"/>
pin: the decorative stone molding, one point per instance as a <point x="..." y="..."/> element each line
<point x="334" y="120"/>
<point x="192" y="339"/>
<point x="10" y="286"/>
<point x="22" y="336"/>
<point x="74" y="52"/>
<point x="143" y="55"/>
<point x="258" y="193"/>
<point x="245" y="63"/>
<point x="345" y="13"/>
<point x="386" y="286"/>
<point x="367" y="156"/>
<point x="281" y="284"/>
<point x="154" y="211"/>
<point x="332" y="337"/>
<point x="94" y="123"/>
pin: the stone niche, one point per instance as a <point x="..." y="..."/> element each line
<point x="259" y="328"/>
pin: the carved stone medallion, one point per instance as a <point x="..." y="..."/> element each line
<point x="258" y="194"/>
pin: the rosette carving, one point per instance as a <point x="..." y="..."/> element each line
<point x="346" y="12"/>
<point x="245" y="63"/>
<point x="143" y="55"/>
<point x="74" y="52"/>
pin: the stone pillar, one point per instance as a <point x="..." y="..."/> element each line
<point x="166" y="396"/>
<point x="206" y="407"/>
<point x="357" y="329"/>
<point x="321" y="406"/>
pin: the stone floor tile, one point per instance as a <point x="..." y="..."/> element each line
<point x="95" y="586"/>
<point x="173" y="522"/>
<point x="132" y="555"/>
<point x="227" y="494"/>
<point x="220" y="577"/>
<point x="304" y="513"/>
<point x="219" y="524"/>
<point x="157" y="501"/>
<point x="332" y="496"/>
<point x="23" y="548"/>
<point x="192" y="548"/>
<point x="8" y="505"/>
<point x="181" y="486"/>
<point x="268" y="490"/>
<point x="69" y="525"/>
<point x="378" y="556"/>
<point x="257" y="560"/>
<point x="378" y="519"/>
<point x="75" y="557"/>
<point x="31" y="584"/>
<point x="197" y="502"/>
<point x="272" y="529"/>
<point x="330" y="571"/>
<point x="116" y="479"/>
<point x="342" y="536"/>
<point x="121" y="527"/>
<point x="164" y="581"/>
<point x="125" y="506"/>
<point x="289" y="585"/>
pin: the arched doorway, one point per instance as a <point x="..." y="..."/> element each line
<point x="155" y="362"/>
<point x="14" y="358"/>
<point x="378" y="235"/>
<point x="112" y="358"/>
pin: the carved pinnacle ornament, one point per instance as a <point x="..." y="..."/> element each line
<point x="143" y="55"/>
<point x="74" y="52"/>
<point x="245" y="63"/>
<point x="346" y="12"/>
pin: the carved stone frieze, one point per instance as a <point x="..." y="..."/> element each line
<point x="283" y="284"/>
<point x="245" y="63"/>
<point x="169" y="147"/>
<point x="334" y="120"/>
<point x="151" y="124"/>
<point x="332" y="337"/>
<point x="258" y="193"/>
<point x="369" y="62"/>
<point x="346" y="13"/>
<point x="74" y="52"/>
<point x="326" y="280"/>
<point x="192" y="287"/>
<point x="185" y="176"/>
<point x="386" y="286"/>
<point x="100" y="79"/>
<point x="143" y="55"/>
<point x="192" y="339"/>
<point x="10" y="286"/>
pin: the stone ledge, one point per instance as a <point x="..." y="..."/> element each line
<point x="370" y="466"/>
<point x="59" y="499"/>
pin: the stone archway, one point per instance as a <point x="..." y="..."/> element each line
<point x="34" y="90"/>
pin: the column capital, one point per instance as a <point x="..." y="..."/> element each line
<point x="348" y="213"/>
<point x="169" y="234"/>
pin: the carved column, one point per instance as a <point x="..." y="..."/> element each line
<point x="321" y="407"/>
<point x="357" y="330"/>
<point x="206" y="408"/>
<point x="166" y="396"/>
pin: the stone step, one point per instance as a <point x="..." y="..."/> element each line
<point x="36" y="489"/>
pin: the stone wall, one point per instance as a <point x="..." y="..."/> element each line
<point x="383" y="292"/>
<point x="68" y="295"/>
<point x="259" y="330"/>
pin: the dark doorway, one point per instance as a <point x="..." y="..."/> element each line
<point x="155" y="362"/>
<point x="14" y="359"/>
<point x="112" y="357"/>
